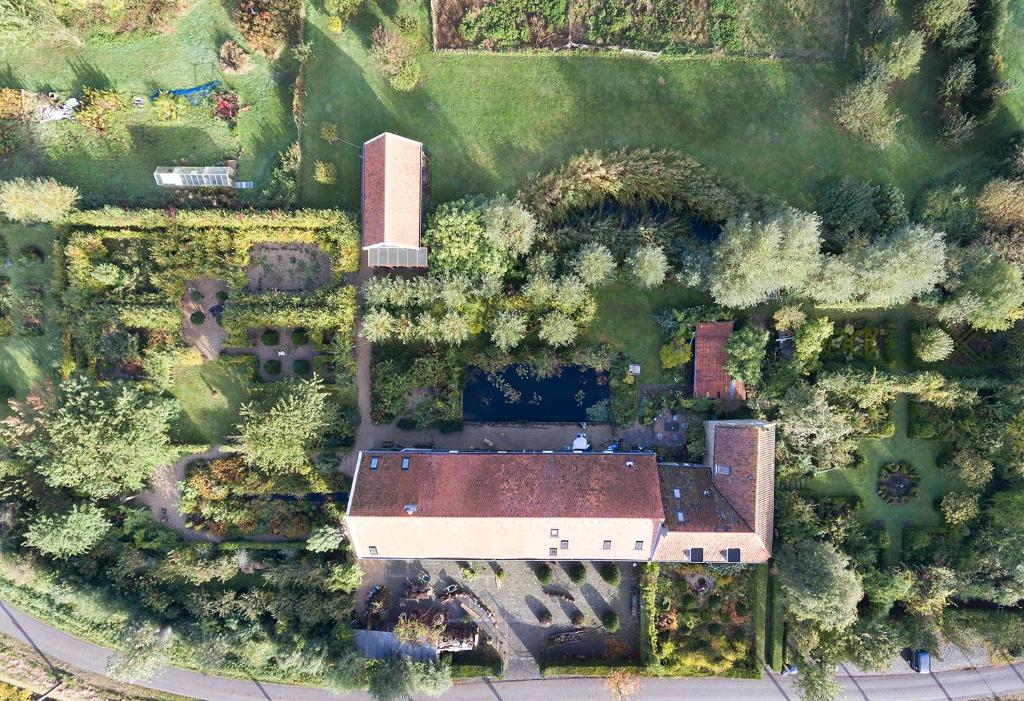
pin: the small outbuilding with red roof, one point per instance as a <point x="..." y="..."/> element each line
<point x="392" y="202"/>
<point x="710" y="380"/>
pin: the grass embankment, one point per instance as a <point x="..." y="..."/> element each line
<point x="118" y="166"/>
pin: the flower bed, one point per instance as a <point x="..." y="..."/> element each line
<point x="857" y="342"/>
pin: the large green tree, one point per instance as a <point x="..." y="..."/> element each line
<point x="100" y="440"/>
<point x="278" y="434"/>
<point x="755" y="258"/>
<point x="74" y="532"/>
<point x="984" y="290"/>
<point x="821" y="586"/>
<point x="745" y="350"/>
<point x="39" y="200"/>
<point x="461" y="240"/>
<point x="888" y="272"/>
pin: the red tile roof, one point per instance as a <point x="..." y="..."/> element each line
<point x="509" y="485"/>
<point x="392" y="191"/>
<point x="709" y="357"/>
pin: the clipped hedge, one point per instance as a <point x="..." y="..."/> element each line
<point x="591" y="668"/>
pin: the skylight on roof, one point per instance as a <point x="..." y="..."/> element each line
<point x="405" y="463"/>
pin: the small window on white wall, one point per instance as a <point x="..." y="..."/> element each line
<point x="554" y="532"/>
<point x="373" y="549"/>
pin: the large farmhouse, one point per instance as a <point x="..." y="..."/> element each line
<point x="414" y="504"/>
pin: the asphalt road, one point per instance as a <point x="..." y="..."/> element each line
<point x="985" y="683"/>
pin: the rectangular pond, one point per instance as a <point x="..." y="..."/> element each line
<point x="517" y="394"/>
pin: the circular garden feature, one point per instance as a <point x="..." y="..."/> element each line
<point x="270" y="337"/>
<point x="222" y="296"/>
<point x="272" y="367"/>
<point x="300" y="337"/>
<point x="898" y="482"/>
<point x="31" y="255"/>
<point x="301" y="366"/>
<point x="197" y="318"/>
<point x="196" y="295"/>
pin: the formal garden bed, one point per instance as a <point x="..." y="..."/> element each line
<point x="812" y="28"/>
<point x="861" y="343"/>
<point x="704" y="620"/>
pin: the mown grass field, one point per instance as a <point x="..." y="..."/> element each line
<point x="119" y="166"/>
<point x="489" y="120"/>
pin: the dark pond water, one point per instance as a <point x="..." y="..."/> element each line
<point x="516" y="394"/>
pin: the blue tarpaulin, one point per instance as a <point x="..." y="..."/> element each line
<point x="194" y="95"/>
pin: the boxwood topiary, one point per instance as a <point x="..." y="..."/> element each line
<point x="301" y="366"/>
<point x="300" y="337"/>
<point x="272" y="367"/>
<point x="197" y="318"/>
<point x="544" y="573"/>
<point x="270" y="337"/>
<point x="577" y="573"/>
<point x="610" y="621"/>
<point x="611" y="573"/>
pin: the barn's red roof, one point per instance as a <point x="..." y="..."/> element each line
<point x="392" y="191"/>
<point x="508" y="485"/>
<point x="709" y="357"/>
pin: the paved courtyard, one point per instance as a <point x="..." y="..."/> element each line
<point x="514" y="603"/>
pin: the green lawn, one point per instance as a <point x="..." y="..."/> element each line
<point x="210" y="395"/>
<point x="491" y="120"/>
<point x="860" y="481"/>
<point x="119" y="166"/>
<point x="625" y="321"/>
<point x="1012" y="52"/>
<point x="25" y="360"/>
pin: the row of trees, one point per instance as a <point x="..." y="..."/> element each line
<point x="492" y="271"/>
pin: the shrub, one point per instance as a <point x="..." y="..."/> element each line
<point x="344" y="10"/>
<point x="40" y="200"/>
<point x="196" y="296"/>
<point x="545" y="575"/>
<point x="301" y="366"/>
<point x="578" y="618"/>
<point x="610" y="621"/>
<point x="11" y="104"/>
<point x="578" y="573"/>
<point x="197" y="318"/>
<point x="329" y="132"/>
<point x="325" y="539"/>
<point x="222" y="296"/>
<point x="233" y="58"/>
<point x="648" y="266"/>
<point x="935" y="17"/>
<point x="267" y="24"/>
<point x="862" y="111"/>
<point x="1002" y="203"/>
<point x="272" y="367"/>
<point x="270" y="337"/>
<point x="469" y="574"/>
<point x="407" y="423"/>
<point x="325" y="173"/>
<point x="544" y="618"/>
<point x="932" y="344"/>
<point x="789" y="318"/>
<point x="611" y="573"/>
<point x="30" y="256"/>
<point x="394" y="57"/>
<point x="97" y="106"/>
<point x="300" y="337"/>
